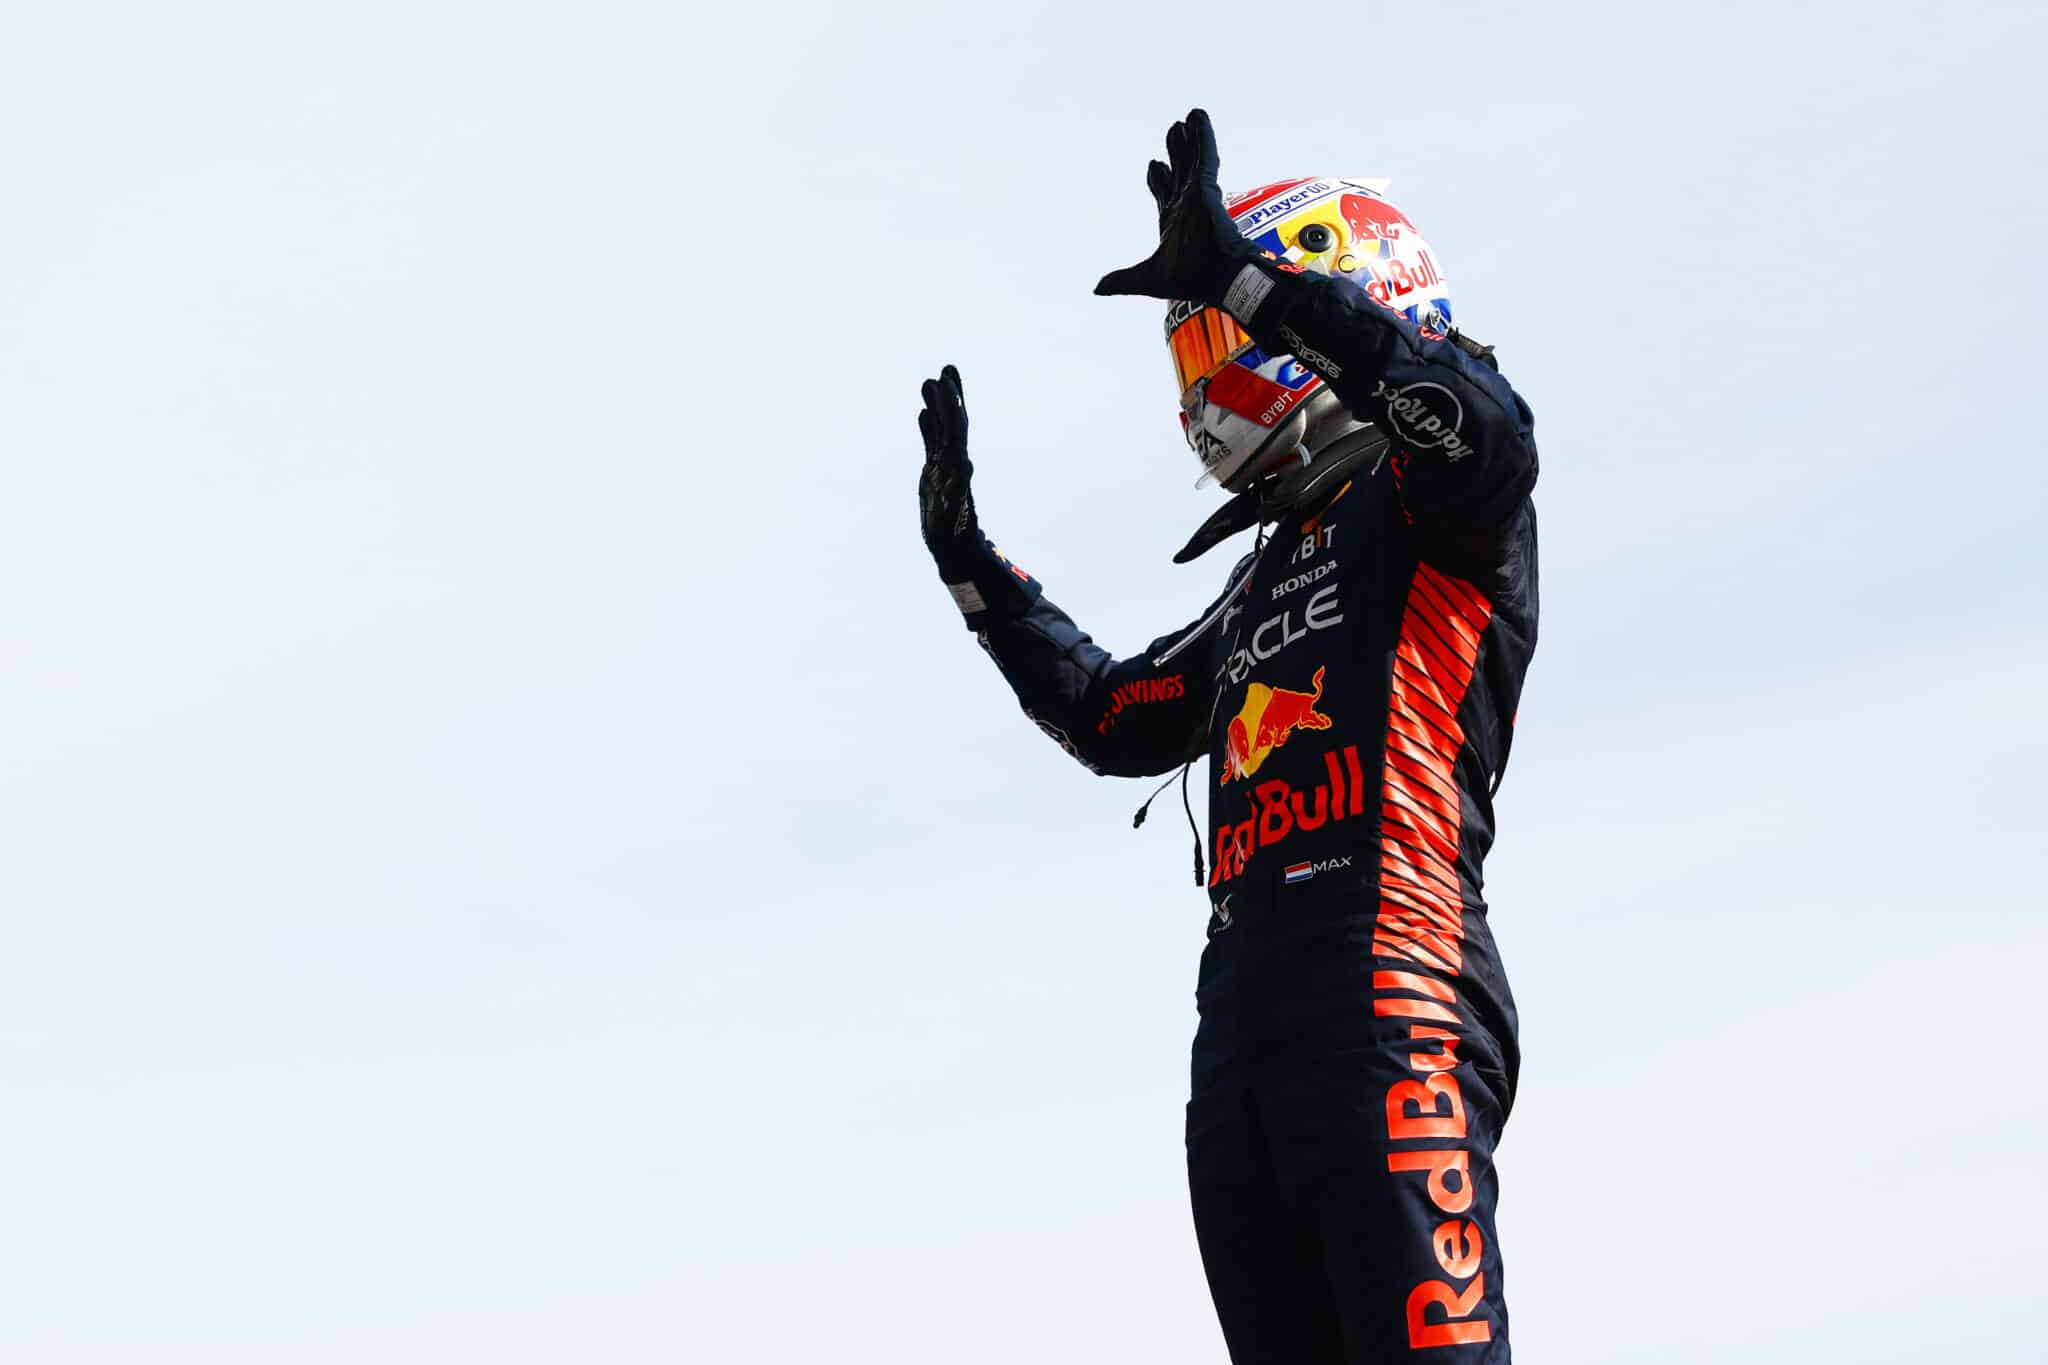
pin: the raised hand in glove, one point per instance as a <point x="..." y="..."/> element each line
<point x="945" y="501"/>
<point x="1201" y="256"/>
<point x="979" y="578"/>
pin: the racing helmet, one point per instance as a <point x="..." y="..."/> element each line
<point x="1246" y="413"/>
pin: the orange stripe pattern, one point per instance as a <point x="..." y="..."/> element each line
<point x="1422" y="923"/>
<point x="1422" y="910"/>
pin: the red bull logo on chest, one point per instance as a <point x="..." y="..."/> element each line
<point x="1278" y="808"/>
<point x="1269" y="715"/>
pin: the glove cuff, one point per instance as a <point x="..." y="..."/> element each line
<point x="985" y="585"/>
<point x="1247" y="289"/>
<point x="1260" y="293"/>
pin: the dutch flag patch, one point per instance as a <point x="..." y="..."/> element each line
<point x="1300" y="872"/>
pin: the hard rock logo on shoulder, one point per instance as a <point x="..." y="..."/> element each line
<point x="1426" y="416"/>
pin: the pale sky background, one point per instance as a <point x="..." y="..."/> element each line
<point x="509" y="855"/>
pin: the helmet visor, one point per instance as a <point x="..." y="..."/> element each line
<point x="1202" y="340"/>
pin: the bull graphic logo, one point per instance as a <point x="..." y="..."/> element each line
<point x="1269" y="715"/>
<point x="1375" y="225"/>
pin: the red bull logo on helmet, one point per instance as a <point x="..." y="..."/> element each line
<point x="1348" y="228"/>
<point x="1375" y="224"/>
<point x="1265" y="721"/>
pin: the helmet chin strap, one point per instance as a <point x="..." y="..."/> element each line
<point x="1274" y="453"/>
<point x="1327" y="427"/>
<point x="1341" y="451"/>
<point x="1347" y="446"/>
<point x="1312" y="430"/>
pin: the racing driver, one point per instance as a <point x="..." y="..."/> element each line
<point x="1354" y="689"/>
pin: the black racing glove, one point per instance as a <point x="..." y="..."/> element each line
<point x="981" y="580"/>
<point x="1201" y="256"/>
<point x="945" y="501"/>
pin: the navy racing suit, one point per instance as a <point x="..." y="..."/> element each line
<point x="1354" y="690"/>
